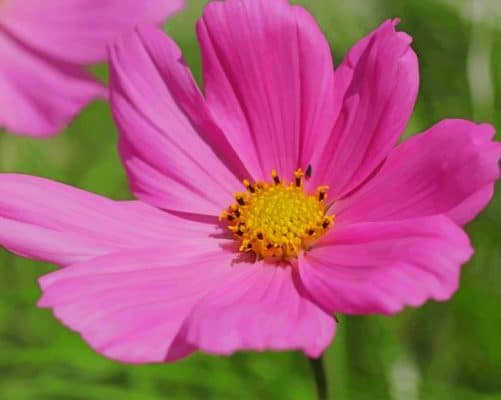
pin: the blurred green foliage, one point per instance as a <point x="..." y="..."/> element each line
<point x="440" y="351"/>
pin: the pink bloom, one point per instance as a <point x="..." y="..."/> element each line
<point x="155" y="279"/>
<point x="44" y="45"/>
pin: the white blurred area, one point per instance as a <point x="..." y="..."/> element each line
<point x="483" y="14"/>
<point x="404" y="379"/>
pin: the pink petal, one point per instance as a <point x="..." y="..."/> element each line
<point x="49" y="221"/>
<point x="38" y="94"/>
<point x="451" y="168"/>
<point x="467" y="210"/>
<point x="78" y="31"/>
<point x="268" y="78"/>
<point x="258" y="307"/>
<point x="378" y="82"/>
<point x="130" y="305"/>
<point x="176" y="157"/>
<point x="380" y="267"/>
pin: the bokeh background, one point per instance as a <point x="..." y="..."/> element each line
<point x="440" y="351"/>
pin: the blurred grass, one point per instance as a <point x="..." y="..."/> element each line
<point x="440" y="351"/>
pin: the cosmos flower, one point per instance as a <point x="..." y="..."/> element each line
<point x="45" y="45"/>
<point x="278" y="197"/>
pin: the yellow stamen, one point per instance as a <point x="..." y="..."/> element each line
<point x="278" y="220"/>
<point x="249" y="186"/>
<point x="322" y="192"/>
<point x="298" y="175"/>
<point x="275" y="177"/>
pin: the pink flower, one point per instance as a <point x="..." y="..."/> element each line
<point x="155" y="279"/>
<point x="44" y="45"/>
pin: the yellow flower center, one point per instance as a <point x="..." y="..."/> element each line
<point x="278" y="219"/>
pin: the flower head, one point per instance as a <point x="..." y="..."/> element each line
<point x="276" y="221"/>
<point x="45" y="46"/>
<point x="230" y="245"/>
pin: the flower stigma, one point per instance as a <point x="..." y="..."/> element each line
<point x="278" y="219"/>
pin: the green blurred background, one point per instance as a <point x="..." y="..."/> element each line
<point x="440" y="351"/>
